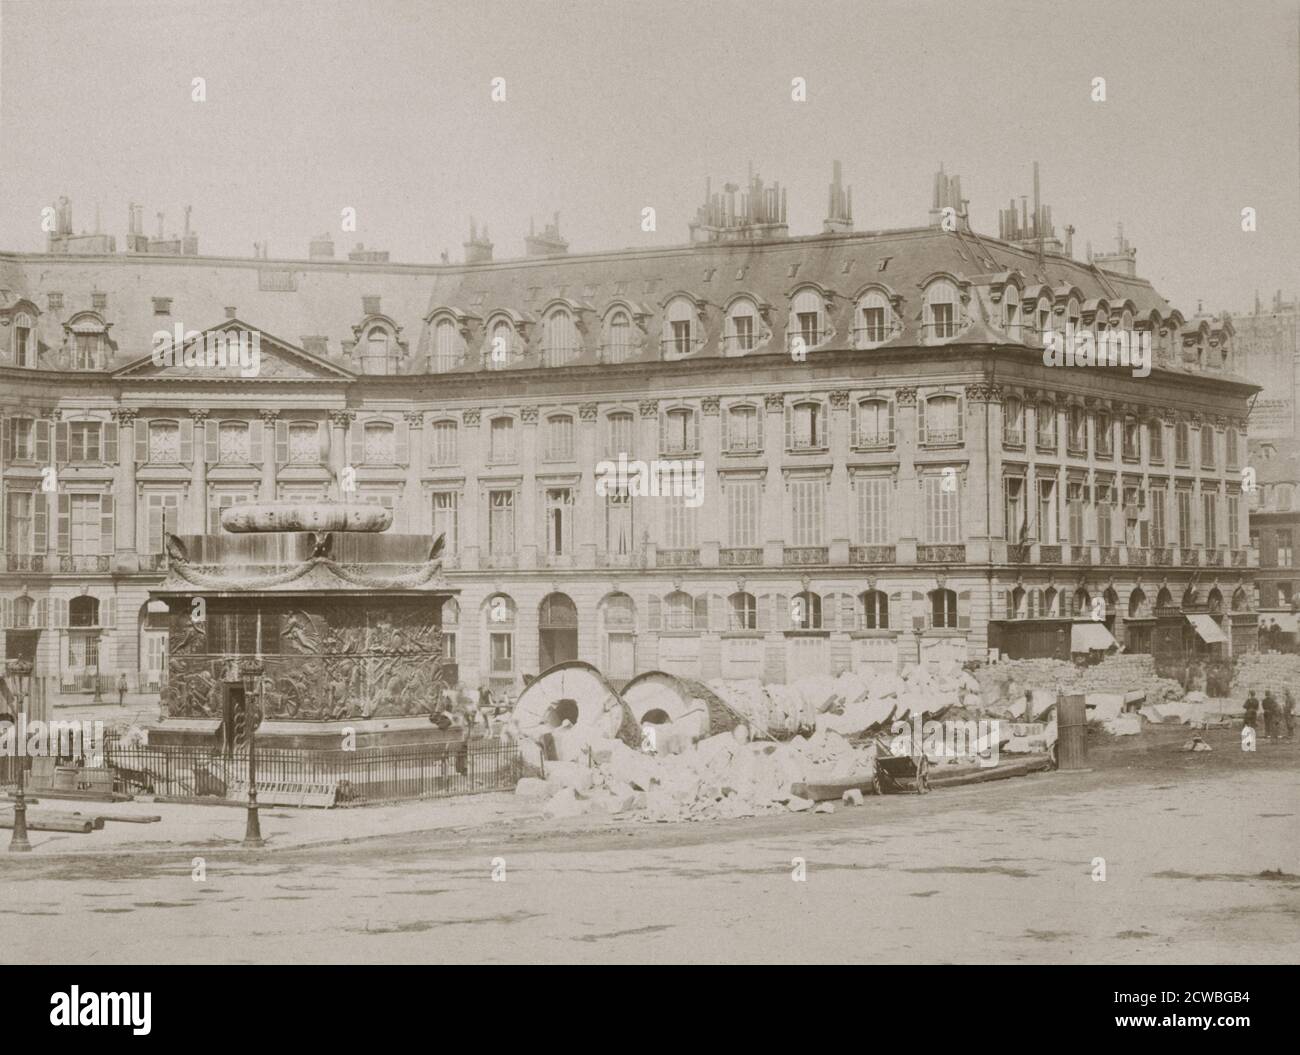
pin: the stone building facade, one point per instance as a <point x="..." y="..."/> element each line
<point x="889" y="471"/>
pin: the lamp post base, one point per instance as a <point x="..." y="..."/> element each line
<point x="19" y="843"/>
<point x="253" y="830"/>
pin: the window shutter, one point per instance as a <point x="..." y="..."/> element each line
<point x="759" y="414"/>
<point x="211" y="450"/>
<point x="920" y="420"/>
<point x="40" y="523"/>
<point x="109" y="609"/>
<point x="8" y="440"/>
<point x="403" y="443"/>
<point x="42" y="445"/>
<point x="110" y="442"/>
<point x="830" y="612"/>
<point x="141" y="431"/>
<point x="323" y="441"/>
<point x="106" y="524"/>
<point x="789" y="427"/>
<point x="256" y="432"/>
<point x="695" y="430"/>
<point x="356" y="449"/>
<point x="42" y="613"/>
<point x="717" y="612"/>
<point x="781" y="612"/>
<point x="187" y="441"/>
<point x="702" y="612"/>
<point x="60" y="613"/>
<point x="961" y="419"/>
<point x="853" y="423"/>
<point x="763" y="612"/>
<point x="663" y="431"/>
<point x="726" y="428"/>
<point x="1004" y="604"/>
<point x="848" y="612"/>
<point x="61" y="443"/>
<point x="891" y="422"/>
<point x="65" y="522"/>
<point x="918" y="611"/>
<point x="6" y="613"/>
<point x="652" y="613"/>
<point x="281" y="442"/>
<point x="963" y="610"/>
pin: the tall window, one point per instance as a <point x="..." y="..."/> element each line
<point x="559" y="438"/>
<point x="442" y="450"/>
<point x="88" y="350"/>
<point x="85" y="529"/>
<point x="560" y="344"/>
<point x="501" y="523"/>
<point x="874" y="319"/>
<point x="806" y="427"/>
<point x="20" y="436"/>
<point x="24" y="341"/>
<point x="874" y="421"/>
<point x="1017" y="526"/>
<point x="1156" y="440"/>
<point x="620" y="434"/>
<point x="1105" y="515"/>
<point x="502" y="443"/>
<point x="742" y="432"/>
<point x="1234" y="521"/>
<point x="1132" y="439"/>
<point x="1182" y="444"/>
<point x="680" y="523"/>
<point x="875" y="610"/>
<point x="743" y="611"/>
<point x="808" y="498"/>
<point x="679" y="611"/>
<point x="875" y="495"/>
<point x="1105" y="435"/>
<point x="446" y="520"/>
<point x="618" y="337"/>
<point x="559" y="521"/>
<point x="1210" y="518"/>
<point x="1184" y="499"/>
<point x="164" y="442"/>
<point x="20" y="507"/>
<point x="1231" y="442"/>
<point x="1078" y="439"/>
<point x="619" y="538"/>
<point x="679" y="333"/>
<point x="942" y="510"/>
<point x="941" y="310"/>
<point x="1074" y="492"/>
<point x="743" y="512"/>
<point x="500" y="345"/>
<point x="680" y="432"/>
<point x="375" y="352"/>
<point x="1011" y="311"/>
<point x="1207" y="447"/>
<point x="1046" y="422"/>
<point x="1158" y="500"/>
<point x="446" y="345"/>
<point x="943" y="609"/>
<point x="1047" y="516"/>
<point x="806" y="611"/>
<point x="806" y="320"/>
<point x="742" y="331"/>
<point x="84" y="441"/>
<point x="1013" y="422"/>
<point x="162" y="513"/>
<point x="940" y="420"/>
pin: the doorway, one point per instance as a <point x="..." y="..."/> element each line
<point x="557" y="633"/>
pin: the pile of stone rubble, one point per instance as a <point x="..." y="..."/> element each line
<point x="1007" y="681"/>
<point x="1262" y="671"/>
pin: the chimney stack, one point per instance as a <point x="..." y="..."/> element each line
<point x="839" y="214"/>
<point x="548" y="243"/>
<point x="1123" y="261"/>
<point x="477" y="250"/>
<point x="321" y="247"/>
<point x="947" y="195"/>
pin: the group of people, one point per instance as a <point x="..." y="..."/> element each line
<point x="1279" y="718"/>
<point x="458" y="710"/>
<point x="1272" y="638"/>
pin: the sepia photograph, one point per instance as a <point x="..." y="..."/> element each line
<point x="678" y="482"/>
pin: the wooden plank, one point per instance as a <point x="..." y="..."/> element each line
<point x="39" y="823"/>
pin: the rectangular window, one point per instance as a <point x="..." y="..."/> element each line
<point x="1078" y="440"/>
<point x="1184" y="499"/>
<point x="807" y="427"/>
<point x="501" y="523"/>
<point x="1105" y="436"/>
<point x="162" y="513"/>
<point x="743" y="512"/>
<point x="1013" y="494"/>
<point x="442" y="451"/>
<point x="83" y="441"/>
<point x="743" y="328"/>
<point x="85" y="526"/>
<point x="1210" y="518"/>
<point x="680" y="522"/>
<point x="618" y="524"/>
<point x="20" y="522"/>
<point x="218" y="501"/>
<point x="502" y="440"/>
<point x="742" y="429"/>
<point x="1231" y="439"/>
<point x="559" y="439"/>
<point x="21" y="430"/>
<point x="1207" y="447"/>
<point x="942" y="510"/>
<point x="503" y="653"/>
<point x="87" y="346"/>
<point x="620" y="435"/>
<point x="808" y="499"/>
<point x="682" y="337"/>
<point x="446" y="520"/>
<point x="942" y="320"/>
<point x="873" y="325"/>
<point x="1182" y="443"/>
<point x="1105" y="515"/>
<point x="1284" y="551"/>
<point x="1156" y="441"/>
<point x="1075" y="501"/>
<point x="1158" y="517"/>
<point x="559" y="521"/>
<point x="233" y="443"/>
<point x="1046" y="426"/>
<point x="875" y="495"/>
<point x="1234" y="522"/>
<point x="1047" y="517"/>
<point x="1132" y="440"/>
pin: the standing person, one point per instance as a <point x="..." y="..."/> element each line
<point x="121" y="689"/>
<point x="1288" y="714"/>
<point x="1272" y="714"/>
<point x="1252" y="710"/>
<point x="485" y="704"/>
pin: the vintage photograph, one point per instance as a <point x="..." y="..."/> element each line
<point x="649" y="483"/>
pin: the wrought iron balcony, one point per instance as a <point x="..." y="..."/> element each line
<point x="1239" y="558"/>
<point x="1018" y="554"/>
<point x="25" y="562"/>
<point x="1049" y="554"/>
<point x="941" y="554"/>
<point x="678" y="558"/>
<point x="1138" y="556"/>
<point x="742" y="556"/>
<point x="1214" y="558"/>
<point x="1110" y="555"/>
<point x="1162" y="556"/>
<point x="1189" y="557"/>
<point x="807" y="555"/>
<point x="83" y="562"/>
<point x="873" y="555"/>
<point x="1080" y="554"/>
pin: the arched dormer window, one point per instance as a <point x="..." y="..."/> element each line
<point x="1042" y="317"/>
<point x="742" y="327"/>
<point x="807" y="328"/>
<point x="377" y="350"/>
<point x="618" y="346"/>
<point x="500" y="345"/>
<point x="89" y="338"/>
<point x="448" y="345"/>
<point x="682" y="334"/>
<point x="942" y="311"/>
<point x="876" y="322"/>
<point x="24" y="340"/>
<point x="1072" y="314"/>
<point x="560" y="343"/>
<point x="1011" y="310"/>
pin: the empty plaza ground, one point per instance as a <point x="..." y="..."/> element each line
<point x="1201" y="854"/>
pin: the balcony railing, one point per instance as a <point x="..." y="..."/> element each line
<point x="807" y="555"/>
<point x="1080" y="554"/>
<point x="1189" y="557"/>
<point x="1049" y="554"/>
<point x="1018" y="554"/>
<point x="940" y="437"/>
<point x="740" y="556"/>
<point x="1013" y="438"/>
<point x="1214" y="558"/>
<point x="680" y="346"/>
<point x="678" y="558"/>
<point x="1110" y="555"/>
<point x="1239" y="558"/>
<point x="25" y="562"/>
<point x="873" y="554"/>
<point x="810" y="338"/>
<point x="1162" y="557"/>
<point x="153" y="562"/>
<point x="83" y="562"/>
<point x="1138" y="556"/>
<point x="941" y="554"/>
<point x="739" y="343"/>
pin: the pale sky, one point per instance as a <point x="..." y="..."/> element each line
<point x="612" y="106"/>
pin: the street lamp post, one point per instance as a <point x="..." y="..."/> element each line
<point x="250" y="673"/>
<point x="20" y="670"/>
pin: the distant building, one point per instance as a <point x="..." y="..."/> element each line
<point x="1268" y="346"/>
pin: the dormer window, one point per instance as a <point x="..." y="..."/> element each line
<point x="875" y="323"/>
<point x="501" y="342"/>
<point x="618" y="337"/>
<point x="1011" y="311"/>
<point x="1043" y="317"/>
<point x="448" y="345"/>
<point x="377" y="352"/>
<point x="942" y="310"/>
<point x="560" y="343"/>
<point x="88" y="351"/>
<point x="742" y="328"/>
<point x="807" y="320"/>
<point x="680" y="336"/>
<point x="24" y="346"/>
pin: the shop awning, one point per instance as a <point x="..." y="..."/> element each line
<point x="1207" y="629"/>
<point x="1084" y="637"/>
